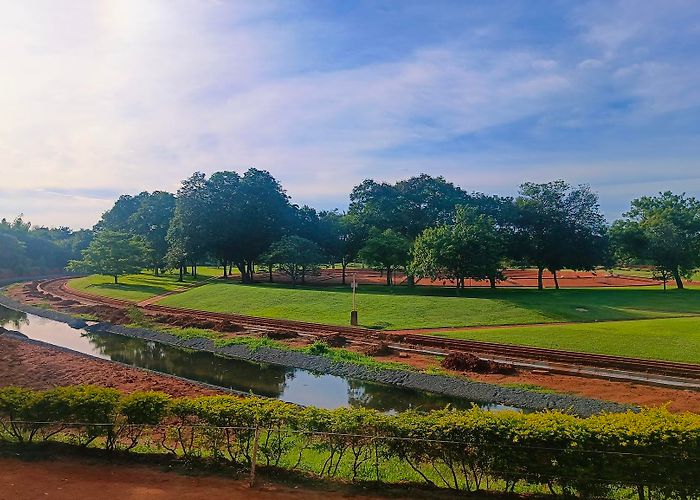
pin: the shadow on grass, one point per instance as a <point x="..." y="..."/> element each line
<point x="569" y="304"/>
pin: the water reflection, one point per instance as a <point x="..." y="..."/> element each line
<point x="288" y="384"/>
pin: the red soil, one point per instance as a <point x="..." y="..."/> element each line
<point x="39" y="367"/>
<point x="72" y="478"/>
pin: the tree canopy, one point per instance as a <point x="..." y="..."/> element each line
<point x="112" y="253"/>
<point x="387" y="249"/>
<point x="664" y="230"/>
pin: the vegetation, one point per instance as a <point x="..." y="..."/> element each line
<point x="664" y="230"/>
<point x="471" y="248"/>
<point x="35" y="250"/>
<point x="436" y="307"/>
<point x="294" y="256"/>
<point x="673" y="339"/>
<point x="113" y="254"/>
<point x="137" y="287"/>
<point x="557" y="227"/>
<point x="604" y="455"/>
<point x="386" y="250"/>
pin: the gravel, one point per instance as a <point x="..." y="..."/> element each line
<point x="451" y="386"/>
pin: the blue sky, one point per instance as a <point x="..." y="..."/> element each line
<point x="104" y="98"/>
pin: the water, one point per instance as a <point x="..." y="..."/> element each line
<point x="288" y="384"/>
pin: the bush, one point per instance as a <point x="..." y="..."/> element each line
<point x="653" y="451"/>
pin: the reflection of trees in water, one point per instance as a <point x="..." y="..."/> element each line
<point x="394" y="398"/>
<point x="13" y="318"/>
<point x="266" y="380"/>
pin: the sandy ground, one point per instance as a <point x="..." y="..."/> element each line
<point x="72" y="478"/>
<point x="39" y="367"/>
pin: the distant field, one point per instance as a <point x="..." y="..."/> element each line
<point x="676" y="339"/>
<point x="380" y="307"/>
<point x="138" y="287"/>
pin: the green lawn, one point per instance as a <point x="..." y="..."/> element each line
<point x="676" y="339"/>
<point x="138" y="287"/>
<point x="380" y="307"/>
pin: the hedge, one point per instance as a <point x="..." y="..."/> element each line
<point x="651" y="452"/>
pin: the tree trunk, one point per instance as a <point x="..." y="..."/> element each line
<point x="410" y="280"/>
<point x="180" y="278"/>
<point x="388" y="276"/>
<point x="224" y="268"/>
<point x="677" y="277"/>
<point x="345" y="265"/>
<point x="556" y="280"/>
<point x="492" y="280"/>
<point x="115" y="279"/>
<point x="303" y="276"/>
<point x="540" y="286"/>
<point x="270" y="271"/>
<point x="242" y="268"/>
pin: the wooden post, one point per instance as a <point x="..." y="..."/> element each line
<point x="353" y="313"/>
<point x="254" y="459"/>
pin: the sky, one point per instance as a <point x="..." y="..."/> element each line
<point x="103" y="98"/>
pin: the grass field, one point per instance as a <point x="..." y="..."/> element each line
<point x="676" y="339"/>
<point x="138" y="287"/>
<point x="402" y="307"/>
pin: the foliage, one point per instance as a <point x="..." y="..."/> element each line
<point x="559" y="227"/>
<point x="294" y="256"/>
<point x="664" y="230"/>
<point x="387" y="250"/>
<point x="146" y="215"/>
<point x="653" y="451"/>
<point x="113" y="254"/>
<point x="473" y="247"/>
<point x="27" y="249"/>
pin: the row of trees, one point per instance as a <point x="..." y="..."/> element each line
<point x="28" y="250"/>
<point x="425" y="226"/>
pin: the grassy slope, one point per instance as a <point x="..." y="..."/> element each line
<point x="138" y="287"/>
<point x="676" y="339"/>
<point x="430" y="308"/>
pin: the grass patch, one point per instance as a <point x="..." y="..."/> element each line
<point x="344" y="356"/>
<point x="676" y="339"/>
<point x="422" y="307"/>
<point x="136" y="287"/>
<point x="530" y="387"/>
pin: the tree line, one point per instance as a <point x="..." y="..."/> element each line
<point x="424" y="226"/>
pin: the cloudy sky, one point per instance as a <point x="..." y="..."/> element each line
<point x="103" y="98"/>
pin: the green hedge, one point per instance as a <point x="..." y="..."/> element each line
<point x="653" y="451"/>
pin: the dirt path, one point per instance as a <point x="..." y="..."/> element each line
<point x="39" y="367"/>
<point x="73" y="478"/>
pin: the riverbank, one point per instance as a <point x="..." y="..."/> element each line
<point x="451" y="386"/>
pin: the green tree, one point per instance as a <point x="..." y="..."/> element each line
<point x="294" y="256"/>
<point x="113" y="254"/>
<point x="664" y="230"/>
<point x="559" y="227"/>
<point x="387" y="250"/>
<point x="473" y="247"/>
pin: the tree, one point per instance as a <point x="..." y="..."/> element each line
<point x="147" y="215"/>
<point x="265" y="215"/>
<point x="387" y="250"/>
<point x="189" y="229"/>
<point x="112" y="253"/>
<point x="558" y="227"/>
<point x="664" y="230"/>
<point x="294" y="256"/>
<point x="224" y="213"/>
<point x="473" y="247"/>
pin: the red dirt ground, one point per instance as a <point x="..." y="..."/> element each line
<point x="39" y="367"/>
<point x="514" y="278"/>
<point x="72" y="478"/>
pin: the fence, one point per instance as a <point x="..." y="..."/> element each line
<point x="653" y="453"/>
